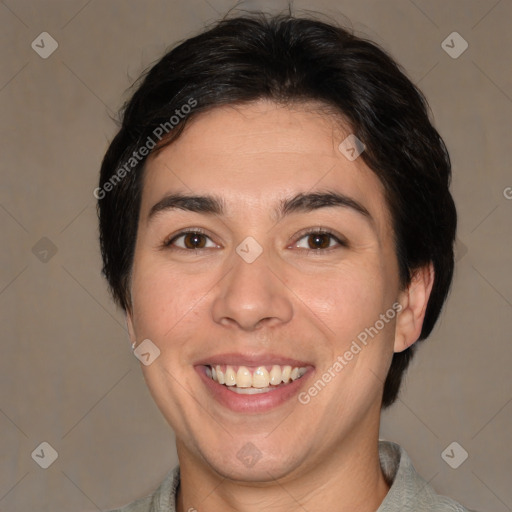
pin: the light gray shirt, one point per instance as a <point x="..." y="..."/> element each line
<point x="408" y="492"/>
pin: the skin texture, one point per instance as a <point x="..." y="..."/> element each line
<point x="304" y="304"/>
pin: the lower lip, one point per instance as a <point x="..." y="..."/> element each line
<point x="259" y="402"/>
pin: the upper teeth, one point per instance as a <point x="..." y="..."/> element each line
<point x="255" y="377"/>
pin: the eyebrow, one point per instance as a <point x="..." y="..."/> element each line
<point x="300" y="203"/>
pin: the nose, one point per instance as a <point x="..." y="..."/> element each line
<point x="252" y="296"/>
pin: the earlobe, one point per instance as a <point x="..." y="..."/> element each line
<point x="414" y="301"/>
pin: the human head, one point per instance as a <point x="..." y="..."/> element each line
<point x="291" y="61"/>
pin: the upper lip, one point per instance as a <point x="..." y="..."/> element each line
<point x="236" y="359"/>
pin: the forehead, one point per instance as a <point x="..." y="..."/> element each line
<point x="261" y="152"/>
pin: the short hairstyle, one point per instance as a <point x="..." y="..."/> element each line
<point x="291" y="60"/>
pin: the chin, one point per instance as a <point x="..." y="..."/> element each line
<point x="244" y="461"/>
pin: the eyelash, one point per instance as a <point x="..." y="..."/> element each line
<point x="167" y="244"/>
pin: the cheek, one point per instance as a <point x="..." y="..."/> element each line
<point x="344" y="298"/>
<point x="349" y="301"/>
<point x="163" y="298"/>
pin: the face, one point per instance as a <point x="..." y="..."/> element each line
<point x="263" y="258"/>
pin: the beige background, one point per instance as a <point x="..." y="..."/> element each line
<point x="67" y="374"/>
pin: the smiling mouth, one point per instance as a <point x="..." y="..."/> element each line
<point x="249" y="380"/>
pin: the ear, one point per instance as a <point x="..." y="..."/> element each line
<point x="414" y="300"/>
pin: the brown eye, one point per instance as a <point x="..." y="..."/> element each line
<point x="319" y="240"/>
<point x="188" y="240"/>
<point x="194" y="240"/>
